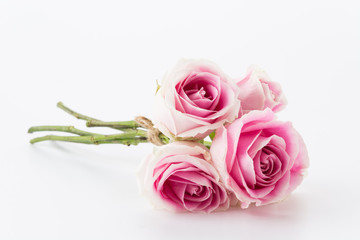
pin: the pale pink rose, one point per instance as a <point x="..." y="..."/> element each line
<point x="258" y="92"/>
<point x="195" y="98"/>
<point x="261" y="160"/>
<point x="179" y="177"/>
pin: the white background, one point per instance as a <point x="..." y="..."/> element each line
<point x="102" y="58"/>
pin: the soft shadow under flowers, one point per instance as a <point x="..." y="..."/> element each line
<point x="292" y="207"/>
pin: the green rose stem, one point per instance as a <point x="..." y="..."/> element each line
<point x="92" y="122"/>
<point x="130" y="135"/>
<point x="68" y="129"/>
<point x="128" y="138"/>
<point x="90" y="140"/>
<point x="124" y="126"/>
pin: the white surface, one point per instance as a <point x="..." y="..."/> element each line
<point x="102" y="58"/>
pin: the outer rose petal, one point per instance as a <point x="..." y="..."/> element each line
<point x="177" y="115"/>
<point x="235" y="148"/>
<point x="300" y="166"/>
<point x="171" y="170"/>
<point x="258" y="92"/>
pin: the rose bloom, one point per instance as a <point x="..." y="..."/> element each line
<point x="194" y="99"/>
<point x="260" y="159"/>
<point x="258" y="92"/>
<point x="180" y="177"/>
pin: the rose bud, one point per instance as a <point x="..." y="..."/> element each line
<point x="258" y="92"/>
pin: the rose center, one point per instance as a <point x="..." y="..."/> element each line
<point x="270" y="164"/>
<point x="197" y="94"/>
<point x="202" y="92"/>
<point x="193" y="190"/>
<point x="267" y="165"/>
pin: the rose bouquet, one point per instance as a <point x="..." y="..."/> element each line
<point x="218" y="142"/>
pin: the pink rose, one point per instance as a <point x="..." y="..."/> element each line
<point x="194" y="99"/>
<point x="258" y="92"/>
<point x="179" y="177"/>
<point x="260" y="159"/>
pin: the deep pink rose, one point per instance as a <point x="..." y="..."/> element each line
<point x="180" y="177"/>
<point x="258" y="92"/>
<point x="260" y="159"/>
<point x="194" y="99"/>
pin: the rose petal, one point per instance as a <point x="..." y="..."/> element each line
<point x="251" y="93"/>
